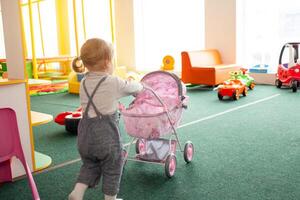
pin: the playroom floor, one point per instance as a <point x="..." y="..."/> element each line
<point x="245" y="149"/>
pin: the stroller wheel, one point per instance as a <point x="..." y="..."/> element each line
<point x="139" y="146"/>
<point x="170" y="165"/>
<point x="188" y="152"/>
<point x="124" y="155"/>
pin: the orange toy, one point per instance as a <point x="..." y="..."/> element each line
<point x="205" y="67"/>
<point x="232" y="88"/>
<point x="168" y="63"/>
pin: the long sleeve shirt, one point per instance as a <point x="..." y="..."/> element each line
<point x="110" y="91"/>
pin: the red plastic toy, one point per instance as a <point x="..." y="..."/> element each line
<point x="288" y="72"/>
<point x="69" y="119"/>
<point x="232" y="88"/>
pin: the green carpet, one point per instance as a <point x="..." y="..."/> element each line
<point x="249" y="153"/>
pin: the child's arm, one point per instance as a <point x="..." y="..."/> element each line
<point x="128" y="87"/>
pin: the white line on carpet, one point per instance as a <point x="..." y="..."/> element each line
<point x="228" y="111"/>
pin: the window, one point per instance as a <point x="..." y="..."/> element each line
<point x="97" y="21"/>
<point x="44" y="28"/>
<point x="289" y="55"/>
<point x="166" y="28"/>
<point x="263" y="27"/>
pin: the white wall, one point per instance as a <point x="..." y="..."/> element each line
<point x="220" y="28"/>
<point x="13" y="38"/>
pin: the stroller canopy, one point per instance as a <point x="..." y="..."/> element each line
<point x="157" y="110"/>
<point x="163" y="90"/>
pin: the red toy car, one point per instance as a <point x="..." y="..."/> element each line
<point x="232" y="88"/>
<point x="288" y="72"/>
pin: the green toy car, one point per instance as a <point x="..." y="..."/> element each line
<point x="244" y="77"/>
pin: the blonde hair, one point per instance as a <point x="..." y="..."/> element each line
<point x="95" y="54"/>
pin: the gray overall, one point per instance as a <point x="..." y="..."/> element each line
<point x="100" y="148"/>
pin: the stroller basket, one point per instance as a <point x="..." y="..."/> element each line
<point x="155" y="150"/>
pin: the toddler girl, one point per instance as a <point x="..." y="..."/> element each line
<point x="98" y="132"/>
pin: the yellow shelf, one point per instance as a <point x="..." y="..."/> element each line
<point x="42" y="161"/>
<point x="38" y="118"/>
<point x="11" y="81"/>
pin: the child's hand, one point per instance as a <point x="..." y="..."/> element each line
<point x="130" y="78"/>
<point x="121" y="107"/>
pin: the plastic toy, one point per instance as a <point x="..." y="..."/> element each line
<point x="232" y="88"/>
<point x="168" y="63"/>
<point x="244" y="77"/>
<point x="70" y="120"/>
<point x="288" y="72"/>
<point x="259" y="68"/>
<point x="74" y="82"/>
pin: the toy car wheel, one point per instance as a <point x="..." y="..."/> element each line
<point x="170" y="165"/>
<point x="278" y="83"/>
<point x="139" y="146"/>
<point x="188" y="152"/>
<point x="294" y="86"/>
<point x="251" y="86"/>
<point x="235" y="95"/>
<point x="220" y="96"/>
<point x="245" y="92"/>
<point x="71" y="124"/>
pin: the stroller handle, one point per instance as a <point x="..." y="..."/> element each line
<point x="154" y="93"/>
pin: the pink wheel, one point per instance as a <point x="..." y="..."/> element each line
<point x="188" y="152"/>
<point x="125" y="155"/>
<point x="170" y="165"/>
<point x="140" y="146"/>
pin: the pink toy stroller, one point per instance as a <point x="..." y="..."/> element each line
<point x="154" y="113"/>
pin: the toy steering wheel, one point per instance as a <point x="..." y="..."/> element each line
<point x="244" y="70"/>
